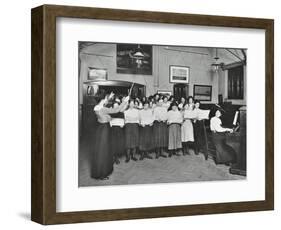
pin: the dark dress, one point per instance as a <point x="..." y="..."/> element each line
<point x="200" y="137"/>
<point x="160" y="134"/>
<point x="117" y="137"/>
<point x="102" y="159"/>
<point x="89" y="126"/>
<point x="102" y="163"/>
<point x="131" y="135"/>
<point x="146" y="138"/>
<point x="224" y="152"/>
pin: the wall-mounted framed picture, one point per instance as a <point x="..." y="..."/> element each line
<point x="97" y="74"/>
<point x="164" y="92"/>
<point x="179" y="74"/>
<point x="202" y="92"/>
<point x="56" y="195"/>
<point x="134" y="59"/>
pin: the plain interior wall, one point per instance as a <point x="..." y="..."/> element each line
<point x="103" y="55"/>
<point x="200" y="68"/>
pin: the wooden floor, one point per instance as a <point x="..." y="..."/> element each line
<point x="163" y="170"/>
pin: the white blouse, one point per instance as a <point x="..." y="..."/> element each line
<point x="166" y="105"/>
<point x="146" y="117"/>
<point x="215" y="125"/>
<point x="160" y="113"/>
<point x="132" y="116"/>
<point x="180" y="106"/>
<point x="175" y="117"/>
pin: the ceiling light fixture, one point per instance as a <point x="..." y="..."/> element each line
<point x="138" y="55"/>
<point x="215" y="66"/>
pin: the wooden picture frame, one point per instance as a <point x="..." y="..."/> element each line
<point x="202" y="92"/>
<point x="43" y="160"/>
<point x="179" y="74"/>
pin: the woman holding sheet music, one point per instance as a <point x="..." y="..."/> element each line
<point x="148" y="128"/>
<point x="187" y="135"/>
<point x="132" y="120"/>
<point x="200" y="135"/>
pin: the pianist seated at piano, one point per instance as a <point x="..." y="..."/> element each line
<point x="225" y="154"/>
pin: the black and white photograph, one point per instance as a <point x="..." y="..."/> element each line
<point x="161" y="114"/>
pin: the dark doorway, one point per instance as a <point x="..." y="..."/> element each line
<point x="180" y="90"/>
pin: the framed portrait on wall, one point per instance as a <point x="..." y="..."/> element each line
<point x="76" y="176"/>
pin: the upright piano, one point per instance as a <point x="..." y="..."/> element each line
<point x="237" y="140"/>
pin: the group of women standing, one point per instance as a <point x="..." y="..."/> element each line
<point x="134" y="127"/>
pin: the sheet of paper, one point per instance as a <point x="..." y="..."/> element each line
<point x="203" y="114"/>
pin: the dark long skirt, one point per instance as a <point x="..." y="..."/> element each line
<point x="89" y="129"/>
<point x="117" y="141"/>
<point x="160" y="134"/>
<point x="146" y="138"/>
<point x="224" y="152"/>
<point x="200" y="137"/>
<point x="102" y="161"/>
<point x="131" y="135"/>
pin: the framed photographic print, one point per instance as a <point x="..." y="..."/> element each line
<point x="134" y="59"/>
<point x="202" y="92"/>
<point x="92" y="90"/>
<point x="179" y="74"/>
<point x="165" y="92"/>
<point x="97" y="74"/>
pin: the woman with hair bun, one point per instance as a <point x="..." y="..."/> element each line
<point x="200" y="134"/>
<point x="146" y="135"/>
<point x="131" y="131"/>
<point x="187" y="134"/>
<point x="225" y="154"/>
<point x="117" y="133"/>
<point x="102" y="161"/>
<point x="160" y="129"/>
<point x="174" y="121"/>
